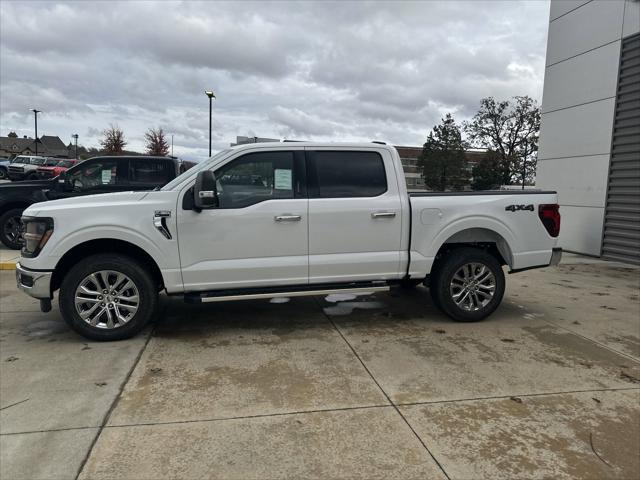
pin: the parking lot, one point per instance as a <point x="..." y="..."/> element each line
<point x="375" y="386"/>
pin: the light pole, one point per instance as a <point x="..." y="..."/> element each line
<point x="75" y="137"/>
<point x="209" y="93"/>
<point x="35" y="113"/>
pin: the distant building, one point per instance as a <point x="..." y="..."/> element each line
<point x="48" y="146"/>
<point x="413" y="172"/>
<point x="589" y="135"/>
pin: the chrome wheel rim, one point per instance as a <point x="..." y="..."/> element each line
<point x="107" y="299"/>
<point x="12" y="229"/>
<point x="472" y="286"/>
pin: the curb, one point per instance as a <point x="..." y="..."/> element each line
<point x="7" y="265"/>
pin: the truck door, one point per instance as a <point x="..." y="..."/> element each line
<point x="354" y="216"/>
<point x="258" y="235"/>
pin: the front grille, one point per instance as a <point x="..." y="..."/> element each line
<point x="14" y="169"/>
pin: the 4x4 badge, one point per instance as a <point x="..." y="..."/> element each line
<point x="515" y="208"/>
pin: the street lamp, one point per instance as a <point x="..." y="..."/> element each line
<point x="209" y="93"/>
<point x="35" y="113"/>
<point x="75" y="137"/>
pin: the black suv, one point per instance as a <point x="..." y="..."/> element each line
<point x="95" y="175"/>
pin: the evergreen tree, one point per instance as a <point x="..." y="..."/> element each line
<point x="487" y="175"/>
<point x="443" y="161"/>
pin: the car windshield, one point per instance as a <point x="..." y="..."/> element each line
<point x="24" y="160"/>
<point x="64" y="163"/>
<point x="37" y="161"/>
<point x="197" y="168"/>
<point x="51" y="162"/>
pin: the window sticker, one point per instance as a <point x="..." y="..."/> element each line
<point x="282" y="179"/>
<point x="106" y="176"/>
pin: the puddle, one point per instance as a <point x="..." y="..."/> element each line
<point x="279" y="300"/>
<point x="345" y="297"/>
<point x="44" y="328"/>
<point x="346" y="308"/>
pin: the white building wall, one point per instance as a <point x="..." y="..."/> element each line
<point x="583" y="54"/>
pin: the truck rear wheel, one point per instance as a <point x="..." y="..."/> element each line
<point x="468" y="284"/>
<point x="108" y="297"/>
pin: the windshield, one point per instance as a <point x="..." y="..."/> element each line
<point x="24" y="160"/>
<point x="197" y="168"/>
<point x="51" y="162"/>
<point x="37" y="161"/>
<point x="64" y="163"/>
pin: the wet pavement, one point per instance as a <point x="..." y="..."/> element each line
<point x="373" y="386"/>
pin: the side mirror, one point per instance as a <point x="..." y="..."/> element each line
<point x="205" y="194"/>
<point x="63" y="182"/>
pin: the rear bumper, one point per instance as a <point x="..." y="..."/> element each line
<point x="556" y="256"/>
<point x="34" y="282"/>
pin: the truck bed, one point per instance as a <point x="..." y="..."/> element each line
<point x="510" y="219"/>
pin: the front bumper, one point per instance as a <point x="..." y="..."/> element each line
<point x="34" y="282"/>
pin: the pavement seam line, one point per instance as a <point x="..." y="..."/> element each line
<point x="626" y="355"/>
<point x="107" y="416"/>
<point x="523" y="395"/>
<point x="395" y="407"/>
<point x="306" y="412"/>
<point x="206" y="420"/>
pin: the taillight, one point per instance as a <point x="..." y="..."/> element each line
<point x="550" y="217"/>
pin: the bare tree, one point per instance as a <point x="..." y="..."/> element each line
<point x="511" y="129"/>
<point x="156" y="142"/>
<point x="113" y="140"/>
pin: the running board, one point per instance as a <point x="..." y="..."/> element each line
<point x="275" y="292"/>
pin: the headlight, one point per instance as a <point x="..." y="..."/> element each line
<point x="35" y="233"/>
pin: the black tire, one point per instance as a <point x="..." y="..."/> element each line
<point x="10" y="226"/>
<point x="32" y="176"/>
<point x="442" y="277"/>
<point x="137" y="273"/>
<point x="3" y="174"/>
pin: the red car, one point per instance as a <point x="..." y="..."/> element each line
<point x="49" y="171"/>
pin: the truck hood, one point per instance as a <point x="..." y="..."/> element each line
<point x="116" y="199"/>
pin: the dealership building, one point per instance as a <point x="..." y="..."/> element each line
<point x="590" y="131"/>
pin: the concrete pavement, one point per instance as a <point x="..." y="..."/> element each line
<point x="379" y="386"/>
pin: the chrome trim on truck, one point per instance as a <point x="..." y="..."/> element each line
<point x="40" y="282"/>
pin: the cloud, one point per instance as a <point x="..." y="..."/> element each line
<point x="318" y="70"/>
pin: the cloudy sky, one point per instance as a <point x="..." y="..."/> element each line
<point x="300" y="70"/>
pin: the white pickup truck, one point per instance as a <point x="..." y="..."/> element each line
<point x="280" y="219"/>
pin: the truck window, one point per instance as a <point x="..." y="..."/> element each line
<point x="94" y="174"/>
<point x="156" y="172"/>
<point x="349" y="174"/>
<point x="255" y="178"/>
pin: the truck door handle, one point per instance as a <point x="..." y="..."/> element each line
<point x="287" y="218"/>
<point x="383" y="214"/>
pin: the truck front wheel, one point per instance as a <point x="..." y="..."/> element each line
<point x="10" y="226"/>
<point x="108" y="297"/>
<point x="468" y="284"/>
